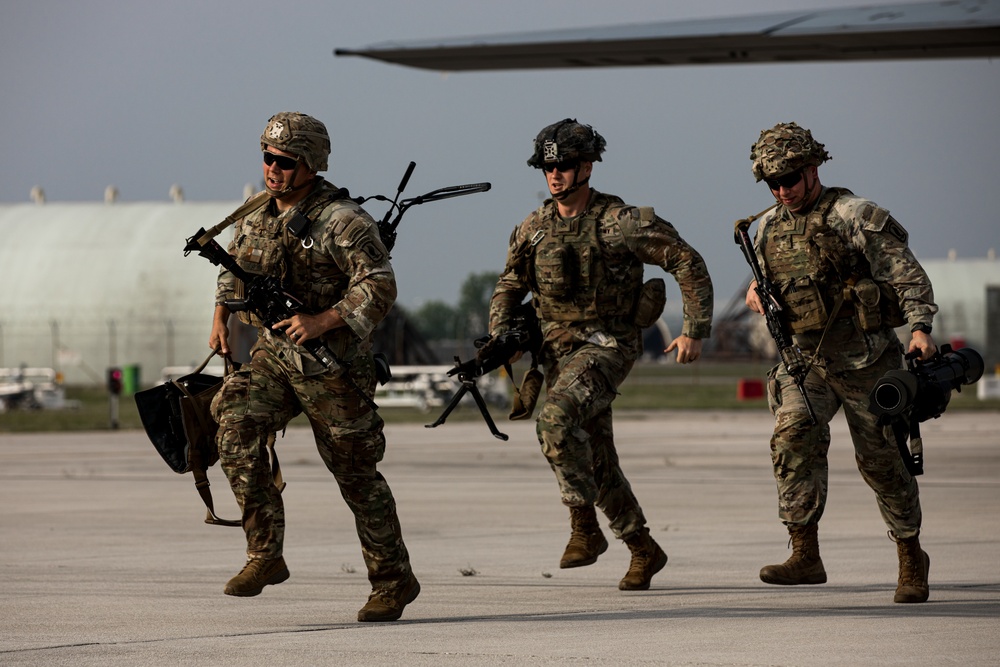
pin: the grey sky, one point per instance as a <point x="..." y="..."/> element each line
<point x="143" y="95"/>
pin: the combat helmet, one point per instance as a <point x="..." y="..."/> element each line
<point x="299" y="134"/>
<point x="785" y="148"/>
<point x="566" y="140"/>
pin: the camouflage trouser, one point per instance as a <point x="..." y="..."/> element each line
<point x="799" y="449"/>
<point x="575" y="431"/>
<point x="258" y="401"/>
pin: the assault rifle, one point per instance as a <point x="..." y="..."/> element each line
<point x="791" y="355"/>
<point x="494" y="352"/>
<point x="267" y="298"/>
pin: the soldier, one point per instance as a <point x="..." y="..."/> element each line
<point x="333" y="259"/>
<point x="581" y="255"/>
<point x="842" y="267"/>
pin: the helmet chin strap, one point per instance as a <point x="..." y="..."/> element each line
<point x="279" y="194"/>
<point x="577" y="184"/>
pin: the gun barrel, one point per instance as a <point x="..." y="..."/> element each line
<point x="893" y="393"/>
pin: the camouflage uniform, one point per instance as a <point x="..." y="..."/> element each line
<point x="346" y="267"/>
<point x="586" y="308"/>
<point x="846" y="277"/>
<point x="849" y="359"/>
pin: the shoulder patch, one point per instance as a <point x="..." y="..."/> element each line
<point x="895" y="230"/>
<point x="357" y="234"/>
<point x="341" y="221"/>
<point x="873" y="217"/>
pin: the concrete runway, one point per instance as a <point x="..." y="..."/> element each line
<point x="105" y="560"/>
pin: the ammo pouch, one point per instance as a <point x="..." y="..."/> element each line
<point x="177" y="420"/>
<point x="892" y="312"/>
<point x="652" y="300"/>
<point x="526" y="396"/>
<point x="867" y="297"/>
<point x="807" y="308"/>
<point x="556" y="272"/>
<point x="876" y="306"/>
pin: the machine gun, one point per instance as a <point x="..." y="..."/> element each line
<point x="494" y="352"/>
<point x="267" y="298"/>
<point x="791" y="356"/>
<point x="904" y="398"/>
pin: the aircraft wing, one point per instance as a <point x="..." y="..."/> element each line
<point x="947" y="29"/>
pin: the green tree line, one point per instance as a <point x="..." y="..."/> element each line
<point x="470" y="319"/>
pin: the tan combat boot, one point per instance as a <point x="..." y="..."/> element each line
<point x="804" y="566"/>
<point x="387" y="605"/>
<point x="914" y="566"/>
<point x="257" y="573"/>
<point x="647" y="559"/>
<point x="586" y="542"/>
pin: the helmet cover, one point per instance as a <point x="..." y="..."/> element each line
<point x="785" y="148"/>
<point x="566" y="140"/>
<point x="300" y="135"/>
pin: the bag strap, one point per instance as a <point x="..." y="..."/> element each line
<point x="198" y="468"/>
<point x="202" y="484"/>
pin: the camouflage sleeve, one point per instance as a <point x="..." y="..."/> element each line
<point x="655" y="241"/>
<point x="511" y="287"/>
<point x="883" y="241"/>
<point x="351" y="238"/>
<point x="758" y="237"/>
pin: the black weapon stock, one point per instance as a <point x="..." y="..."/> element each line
<point x="271" y="302"/>
<point x="494" y="352"/>
<point x="791" y="356"/>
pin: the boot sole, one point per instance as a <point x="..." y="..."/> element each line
<point x="275" y="578"/>
<point x="567" y="564"/>
<point x="778" y="580"/>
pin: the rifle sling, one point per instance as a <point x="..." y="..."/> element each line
<point x="912" y="460"/>
<point x="249" y="206"/>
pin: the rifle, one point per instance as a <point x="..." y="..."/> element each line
<point x="267" y="298"/>
<point x="791" y="356"/>
<point x="494" y="352"/>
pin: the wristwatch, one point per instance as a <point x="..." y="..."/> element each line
<point x="921" y="327"/>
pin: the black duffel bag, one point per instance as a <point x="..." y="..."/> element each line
<point x="179" y="423"/>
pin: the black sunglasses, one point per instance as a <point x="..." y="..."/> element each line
<point x="284" y="162"/>
<point x="565" y="165"/>
<point x="787" y="181"/>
